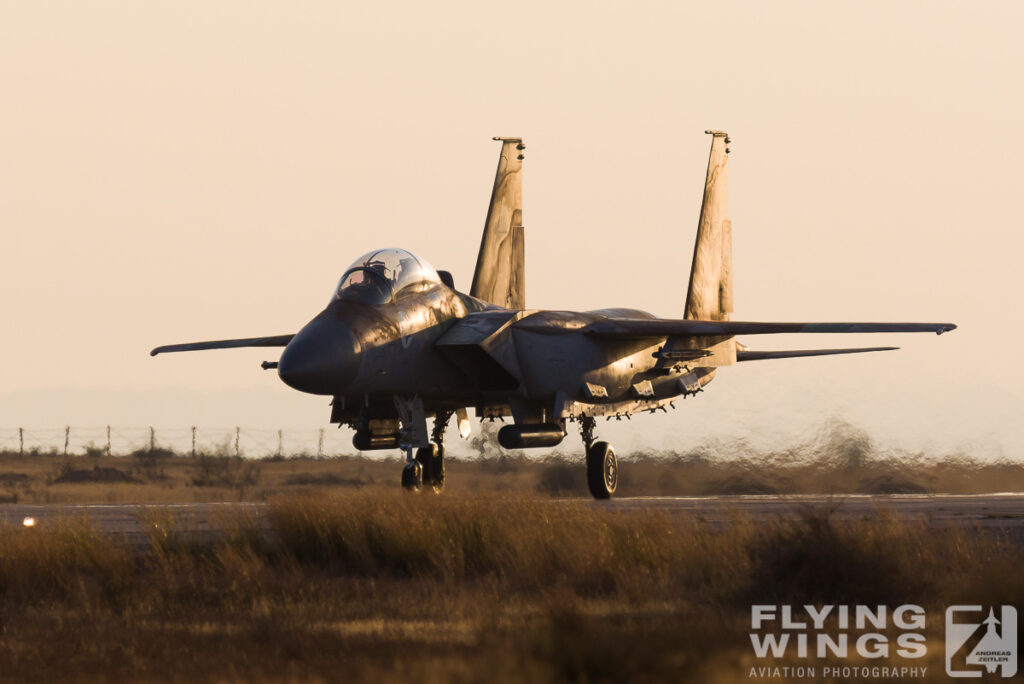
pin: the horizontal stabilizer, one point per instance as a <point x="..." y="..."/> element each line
<point x="276" y="341"/>
<point x="665" y="327"/>
<point x="767" y="355"/>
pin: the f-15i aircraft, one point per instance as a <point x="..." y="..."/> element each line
<point x="398" y="343"/>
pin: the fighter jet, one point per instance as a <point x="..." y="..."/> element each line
<point x="398" y="343"/>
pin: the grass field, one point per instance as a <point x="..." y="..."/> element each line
<point x="377" y="585"/>
<point x="840" y="459"/>
<point x="507" y="577"/>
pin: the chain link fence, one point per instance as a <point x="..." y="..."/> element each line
<point x="120" y="441"/>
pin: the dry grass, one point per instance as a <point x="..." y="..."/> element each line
<point x="493" y="581"/>
<point x="839" y="459"/>
<point x="377" y="586"/>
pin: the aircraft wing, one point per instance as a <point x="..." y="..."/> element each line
<point x="666" y="327"/>
<point x="748" y="355"/>
<point x="275" y="341"/>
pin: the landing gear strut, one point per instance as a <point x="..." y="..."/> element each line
<point x="412" y="473"/>
<point x="426" y="468"/>
<point x="602" y="466"/>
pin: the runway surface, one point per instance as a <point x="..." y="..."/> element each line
<point x="138" y="523"/>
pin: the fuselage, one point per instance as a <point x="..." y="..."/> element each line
<point x="398" y="344"/>
<point x="365" y="354"/>
<point x="352" y="348"/>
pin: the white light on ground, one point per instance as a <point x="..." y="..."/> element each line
<point x="29" y="522"/>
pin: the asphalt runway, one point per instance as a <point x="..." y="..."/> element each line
<point x="138" y="523"/>
<point x="986" y="510"/>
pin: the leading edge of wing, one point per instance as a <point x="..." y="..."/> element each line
<point x="667" y="327"/>
<point x="748" y="355"/>
<point x="274" y="341"/>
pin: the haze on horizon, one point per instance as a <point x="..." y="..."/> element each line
<point x="187" y="171"/>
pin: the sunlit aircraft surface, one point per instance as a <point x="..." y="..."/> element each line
<point x="398" y="344"/>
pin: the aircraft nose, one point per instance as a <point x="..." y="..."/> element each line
<point x="321" y="359"/>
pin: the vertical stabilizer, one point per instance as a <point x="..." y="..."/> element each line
<point x="500" y="265"/>
<point x="710" y="293"/>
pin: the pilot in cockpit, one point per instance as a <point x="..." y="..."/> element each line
<point x="376" y="278"/>
<point x="408" y="269"/>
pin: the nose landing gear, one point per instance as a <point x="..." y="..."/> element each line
<point x="602" y="465"/>
<point x="412" y="473"/>
<point x="432" y="458"/>
<point x="426" y="468"/>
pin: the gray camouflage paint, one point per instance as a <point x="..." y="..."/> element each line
<point x="433" y="349"/>
<point x="499" y="277"/>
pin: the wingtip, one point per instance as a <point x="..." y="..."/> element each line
<point x="945" y="327"/>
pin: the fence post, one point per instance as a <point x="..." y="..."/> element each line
<point x="21" y="441"/>
<point x="152" y="438"/>
<point x="280" y="442"/>
<point x="67" y="438"/>
<point x="108" y="440"/>
<point x="193" y="441"/>
<point x="238" y="434"/>
<point x="320" y="445"/>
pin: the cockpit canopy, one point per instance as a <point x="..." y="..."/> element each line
<point x="380" y="276"/>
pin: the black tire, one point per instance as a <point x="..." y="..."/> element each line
<point x="602" y="470"/>
<point x="412" y="476"/>
<point x="432" y="459"/>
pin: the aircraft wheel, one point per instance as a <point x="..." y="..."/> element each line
<point x="432" y="458"/>
<point x="412" y="476"/>
<point x="602" y="470"/>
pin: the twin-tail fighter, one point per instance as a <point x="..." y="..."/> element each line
<point x="398" y="344"/>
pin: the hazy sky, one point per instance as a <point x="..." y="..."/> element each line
<point x="177" y="171"/>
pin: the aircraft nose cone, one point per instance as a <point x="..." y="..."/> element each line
<point x="321" y="359"/>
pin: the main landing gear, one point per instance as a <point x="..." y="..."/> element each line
<point x="602" y="466"/>
<point x="426" y="469"/>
